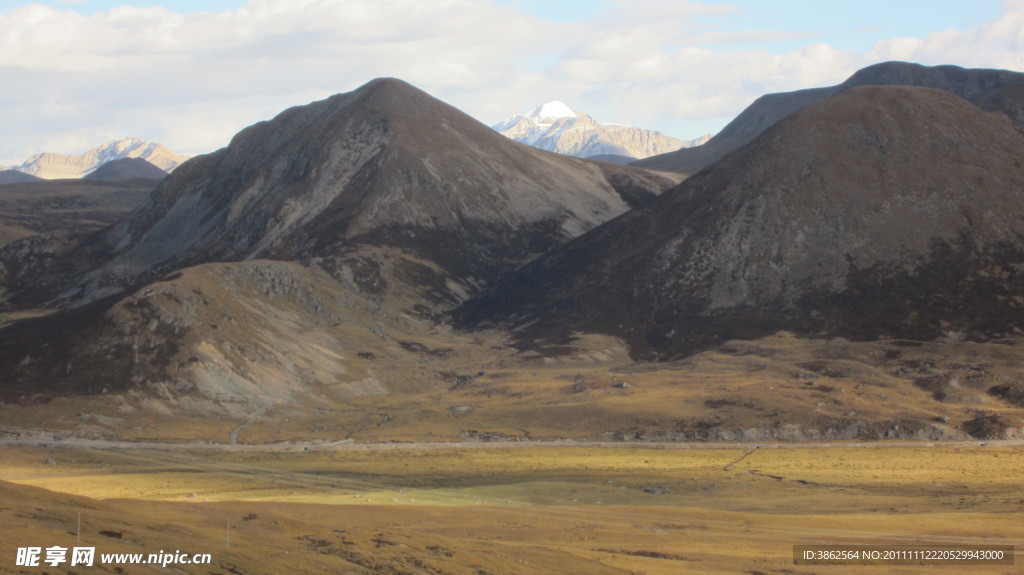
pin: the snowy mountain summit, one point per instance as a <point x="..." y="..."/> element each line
<point x="556" y="127"/>
<point x="552" y="112"/>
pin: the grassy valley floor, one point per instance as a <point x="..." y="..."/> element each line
<point x="499" y="509"/>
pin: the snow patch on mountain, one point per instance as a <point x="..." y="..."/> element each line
<point x="555" y="127"/>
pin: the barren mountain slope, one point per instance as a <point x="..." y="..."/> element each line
<point x="215" y="338"/>
<point x="882" y="211"/>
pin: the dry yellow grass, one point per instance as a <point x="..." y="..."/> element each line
<point x="449" y="509"/>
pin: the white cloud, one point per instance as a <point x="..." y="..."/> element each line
<point x="659" y="12"/>
<point x="192" y="80"/>
<point x="995" y="44"/>
<point x="652" y="70"/>
<point x="76" y="73"/>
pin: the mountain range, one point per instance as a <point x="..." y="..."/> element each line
<point x="51" y="166"/>
<point x="366" y="210"/>
<point x="385" y="165"/>
<point x="990" y="89"/>
<point x="381" y="252"/>
<point x="556" y="127"/>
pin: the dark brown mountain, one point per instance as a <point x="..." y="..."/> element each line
<point x="126" y="169"/>
<point x="383" y="166"/>
<point x="878" y="212"/>
<point x="974" y="85"/>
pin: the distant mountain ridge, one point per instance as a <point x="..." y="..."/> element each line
<point x="990" y="89"/>
<point x="52" y="166"/>
<point x="556" y="127"/>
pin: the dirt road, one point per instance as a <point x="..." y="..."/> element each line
<point x="48" y="438"/>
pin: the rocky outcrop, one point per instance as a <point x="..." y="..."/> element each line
<point x="214" y="338"/>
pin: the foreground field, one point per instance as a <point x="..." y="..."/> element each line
<point x="529" y="509"/>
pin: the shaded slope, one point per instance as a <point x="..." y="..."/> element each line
<point x="878" y="212"/>
<point x="974" y="85"/>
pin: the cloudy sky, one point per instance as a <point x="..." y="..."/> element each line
<point x="191" y="73"/>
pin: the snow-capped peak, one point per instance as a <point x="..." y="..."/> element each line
<point x="556" y="127"/>
<point x="551" y="111"/>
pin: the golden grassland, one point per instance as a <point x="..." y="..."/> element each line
<point x="513" y="509"/>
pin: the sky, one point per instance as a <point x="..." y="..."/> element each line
<point x="191" y="73"/>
